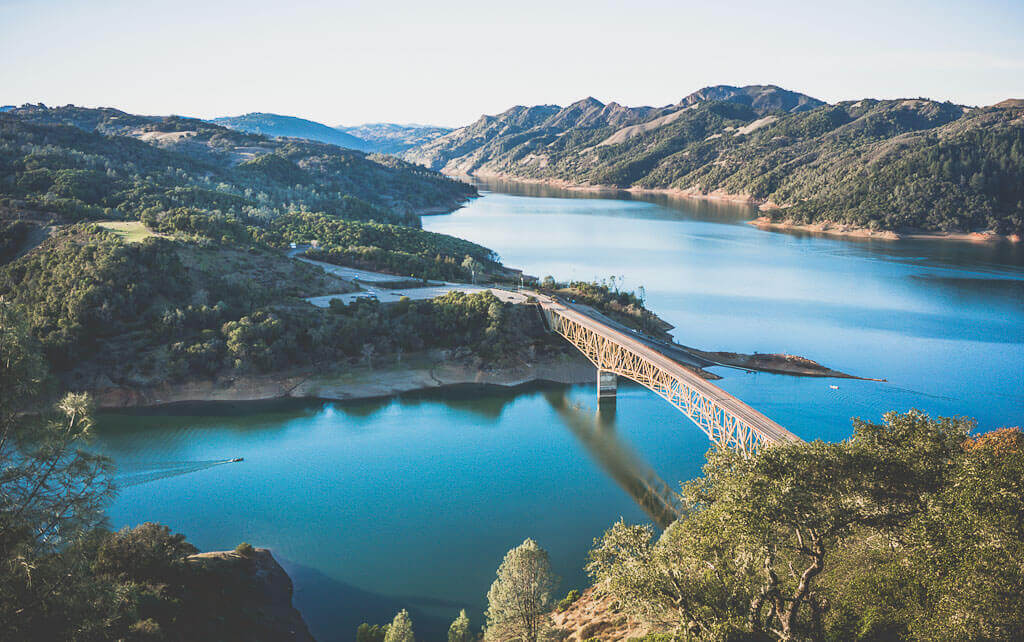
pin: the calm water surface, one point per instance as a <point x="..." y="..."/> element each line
<point x="411" y="502"/>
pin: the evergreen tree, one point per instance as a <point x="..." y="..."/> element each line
<point x="371" y="632"/>
<point x="400" y="629"/>
<point x="520" y="598"/>
<point x="459" y="630"/>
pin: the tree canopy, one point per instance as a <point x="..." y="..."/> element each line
<point x="911" y="529"/>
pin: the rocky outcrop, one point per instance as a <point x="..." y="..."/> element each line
<point x="763" y="99"/>
<point x="249" y="597"/>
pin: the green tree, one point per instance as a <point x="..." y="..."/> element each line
<point x="459" y="630"/>
<point x="51" y="490"/>
<point x="400" y="629"/>
<point x="969" y="544"/>
<point x="520" y="598"/>
<point x="473" y="267"/>
<point x="758" y="533"/>
<point x="371" y="632"/>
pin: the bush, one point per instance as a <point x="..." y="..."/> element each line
<point x="245" y="549"/>
<point x="567" y="601"/>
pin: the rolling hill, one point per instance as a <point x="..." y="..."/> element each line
<point x="292" y="127"/>
<point x="378" y="138"/>
<point x="389" y="138"/>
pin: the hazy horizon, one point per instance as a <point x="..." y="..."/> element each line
<point x="446" y="64"/>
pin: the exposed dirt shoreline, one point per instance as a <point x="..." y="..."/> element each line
<point x="436" y="369"/>
<point x="763" y="222"/>
<point x="433" y="370"/>
<point x="841" y="230"/>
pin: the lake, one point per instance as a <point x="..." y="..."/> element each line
<point x="411" y="502"/>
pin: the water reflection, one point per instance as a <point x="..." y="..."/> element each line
<point x="942" y="317"/>
<point x="486" y="401"/>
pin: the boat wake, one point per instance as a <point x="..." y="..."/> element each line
<point x="146" y="472"/>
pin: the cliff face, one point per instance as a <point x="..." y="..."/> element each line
<point x="248" y="597"/>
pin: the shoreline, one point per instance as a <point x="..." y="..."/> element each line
<point x="849" y="231"/>
<point x="666" y="191"/>
<point x="424" y="372"/>
<point x="436" y="370"/>
<point x="762" y="222"/>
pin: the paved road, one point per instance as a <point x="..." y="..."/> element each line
<point x="373" y="284"/>
<point x="672" y="351"/>
<point x="734" y="406"/>
<point x="351" y="274"/>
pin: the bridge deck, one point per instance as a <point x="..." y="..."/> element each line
<point x="768" y="429"/>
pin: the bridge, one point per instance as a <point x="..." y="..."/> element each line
<point x="727" y="421"/>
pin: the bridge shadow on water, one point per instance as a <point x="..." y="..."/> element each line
<point x="596" y="432"/>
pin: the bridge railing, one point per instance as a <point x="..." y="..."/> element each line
<point x="738" y="426"/>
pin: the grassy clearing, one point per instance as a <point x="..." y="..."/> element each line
<point x="129" y="231"/>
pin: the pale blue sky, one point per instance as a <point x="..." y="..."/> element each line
<point x="447" y="61"/>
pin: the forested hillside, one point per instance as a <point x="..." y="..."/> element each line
<point x="876" y="164"/>
<point x="169" y="162"/>
<point x="144" y="250"/>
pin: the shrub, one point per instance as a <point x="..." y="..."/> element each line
<point x="245" y="549"/>
<point x="567" y="601"/>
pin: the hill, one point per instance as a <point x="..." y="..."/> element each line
<point x="763" y="99"/>
<point x="516" y="130"/>
<point x="145" y="250"/>
<point x="899" y="165"/>
<point x="378" y="138"/>
<point x="233" y="172"/>
<point x="274" y="125"/>
<point x="389" y="138"/>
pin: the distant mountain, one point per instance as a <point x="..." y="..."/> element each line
<point x="464" y="149"/>
<point x="763" y="99"/>
<point x="307" y="174"/>
<point x="389" y="138"/>
<point x="911" y="164"/>
<point x="7" y="108"/>
<point x="292" y="127"/>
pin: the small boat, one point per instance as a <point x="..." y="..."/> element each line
<point x="834" y="387"/>
<point x="231" y="461"/>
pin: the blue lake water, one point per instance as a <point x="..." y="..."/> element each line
<point x="411" y="502"/>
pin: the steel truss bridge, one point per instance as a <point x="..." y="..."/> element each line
<point x="727" y="421"/>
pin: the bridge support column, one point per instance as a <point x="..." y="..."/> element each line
<point x="607" y="383"/>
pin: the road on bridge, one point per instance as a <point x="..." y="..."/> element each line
<point x="770" y="430"/>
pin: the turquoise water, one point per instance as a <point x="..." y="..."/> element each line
<point x="942" y="321"/>
<point x="411" y="502"/>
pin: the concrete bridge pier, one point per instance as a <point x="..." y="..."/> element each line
<point x="607" y="384"/>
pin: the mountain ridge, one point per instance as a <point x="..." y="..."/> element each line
<point x="393" y="138"/>
<point x="372" y="138"/>
<point x="279" y="125"/>
<point x="883" y="165"/>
